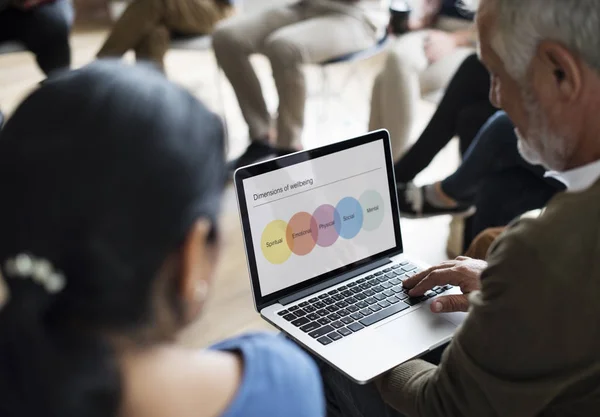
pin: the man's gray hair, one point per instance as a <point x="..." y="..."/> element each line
<point x="523" y="24"/>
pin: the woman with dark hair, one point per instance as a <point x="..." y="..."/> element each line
<point x="111" y="179"/>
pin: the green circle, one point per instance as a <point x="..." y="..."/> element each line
<point x="373" y="210"/>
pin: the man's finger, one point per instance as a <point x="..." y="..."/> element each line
<point x="450" y="304"/>
<point x="413" y="281"/>
<point x="436" y="278"/>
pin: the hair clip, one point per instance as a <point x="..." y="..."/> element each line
<point x="39" y="270"/>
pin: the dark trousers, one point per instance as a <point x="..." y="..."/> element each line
<point x="344" y="398"/>
<point x="497" y="180"/>
<point x="44" y="30"/>
<point x="463" y="111"/>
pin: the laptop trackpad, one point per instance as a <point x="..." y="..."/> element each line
<point x="417" y="332"/>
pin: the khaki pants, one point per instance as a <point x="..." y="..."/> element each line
<point x="406" y="76"/>
<point x="146" y="26"/>
<point x="309" y="32"/>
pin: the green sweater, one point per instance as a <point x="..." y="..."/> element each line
<point x="531" y="343"/>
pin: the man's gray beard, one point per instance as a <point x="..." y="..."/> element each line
<point x="528" y="153"/>
<point x="543" y="147"/>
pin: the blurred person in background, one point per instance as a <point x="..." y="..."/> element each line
<point x="441" y="35"/>
<point x="147" y="26"/>
<point x="306" y="32"/>
<point x="41" y="26"/>
<point x="109" y="243"/>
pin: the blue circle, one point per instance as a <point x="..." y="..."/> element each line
<point x="351" y="216"/>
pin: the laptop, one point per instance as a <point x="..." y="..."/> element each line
<point x="324" y="248"/>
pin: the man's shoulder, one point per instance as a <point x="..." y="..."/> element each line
<point x="567" y="215"/>
<point x="563" y="239"/>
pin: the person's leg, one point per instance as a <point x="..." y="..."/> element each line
<point x="154" y="46"/>
<point x="470" y="121"/>
<point x="470" y="85"/>
<point x="396" y="91"/>
<point x="493" y="150"/>
<point x="482" y="157"/>
<point x="144" y="19"/>
<point x="314" y="40"/>
<point x="347" y="399"/>
<point x="508" y="194"/>
<point x="44" y="30"/>
<point x="233" y="42"/>
<point x="480" y="246"/>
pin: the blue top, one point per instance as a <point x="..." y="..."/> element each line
<point x="453" y="8"/>
<point x="279" y="379"/>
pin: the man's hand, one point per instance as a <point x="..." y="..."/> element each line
<point x="462" y="272"/>
<point x="439" y="44"/>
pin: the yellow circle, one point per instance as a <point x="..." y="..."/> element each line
<point x="274" y="242"/>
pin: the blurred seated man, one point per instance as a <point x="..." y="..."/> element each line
<point x="422" y="61"/>
<point x="306" y="32"/>
<point x="146" y="26"/>
<point x="43" y="27"/>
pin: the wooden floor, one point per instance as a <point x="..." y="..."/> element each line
<point x="230" y="309"/>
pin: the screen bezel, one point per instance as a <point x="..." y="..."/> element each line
<point x="241" y="174"/>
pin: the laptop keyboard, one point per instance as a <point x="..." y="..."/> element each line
<point x="351" y="307"/>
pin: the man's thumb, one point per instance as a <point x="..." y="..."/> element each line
<point x="450" y="304"/>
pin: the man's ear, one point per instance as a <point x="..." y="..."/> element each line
<point x="197" y="265"/>
<point x="557" y="68"/>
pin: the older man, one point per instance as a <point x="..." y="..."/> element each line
<point x="530" y="344"/>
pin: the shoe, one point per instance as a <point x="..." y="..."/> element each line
<point x="413" y="204"/>
<point x="255" y="152"/>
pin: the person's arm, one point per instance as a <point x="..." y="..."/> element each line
<point x="501" y="362"/>
<point x="279" y="378"/>
<point x="466" y="37"/>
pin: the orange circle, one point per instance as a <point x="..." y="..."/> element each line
<point x="300" y="231"/>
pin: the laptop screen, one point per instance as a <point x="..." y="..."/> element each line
<point x="319" y="215"/>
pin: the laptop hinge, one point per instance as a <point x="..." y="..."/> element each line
<point x="333" y="281"/>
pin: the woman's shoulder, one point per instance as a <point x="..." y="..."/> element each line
<point x="278" y="378"/>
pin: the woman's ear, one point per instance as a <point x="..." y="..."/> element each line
<point x="197" y="267"/>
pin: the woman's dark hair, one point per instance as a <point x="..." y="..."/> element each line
<point x="103" y="171"/>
